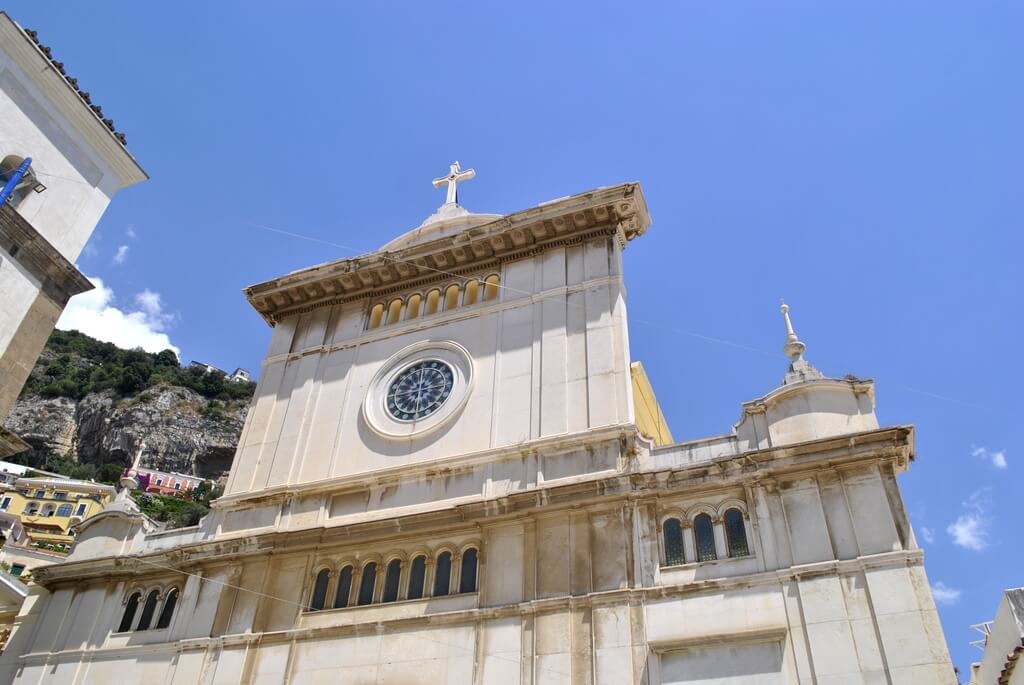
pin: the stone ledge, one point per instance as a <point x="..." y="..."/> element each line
<point x="618" y="211"/>
<point x="59" y="278"/>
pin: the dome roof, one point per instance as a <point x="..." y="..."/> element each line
<point x="449" y="219"/>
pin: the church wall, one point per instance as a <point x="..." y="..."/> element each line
<point x="574" y="592"/>
<point x="550" y="358"/>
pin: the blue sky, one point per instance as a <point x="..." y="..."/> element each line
<point x="862" y="160"/>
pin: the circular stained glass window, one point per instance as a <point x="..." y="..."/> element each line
<point x="420" y="390"/>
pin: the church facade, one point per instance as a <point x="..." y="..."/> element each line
<point x="453" y="472"/>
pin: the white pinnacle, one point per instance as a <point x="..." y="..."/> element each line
<point x="454" y="177"/>
<point x="794" y="349"/>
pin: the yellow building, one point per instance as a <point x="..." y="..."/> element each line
<point x="47" y="508"/>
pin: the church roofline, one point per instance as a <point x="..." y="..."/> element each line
<point x="617" y="210"/>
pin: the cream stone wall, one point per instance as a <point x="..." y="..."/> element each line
<point x="550" y="357"/>
<point x="27" y="317"/>
<point x="576" y="590"/>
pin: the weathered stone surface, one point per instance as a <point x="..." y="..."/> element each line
<point x="181" y="431"/>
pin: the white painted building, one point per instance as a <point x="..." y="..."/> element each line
<point x="79" y="161"/>
<point x="1003" y="644"/>
<point x="454" y="472"/>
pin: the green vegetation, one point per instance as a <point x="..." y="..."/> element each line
<point x="78" y="365"/>
<point x="175" y="511"/>
<point x="107" y="473"/>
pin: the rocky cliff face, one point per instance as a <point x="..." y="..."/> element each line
<point x="182" y="430"/>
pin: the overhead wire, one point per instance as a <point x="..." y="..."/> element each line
<point x="502" y="286"/>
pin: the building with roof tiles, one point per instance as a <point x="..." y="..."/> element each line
<point x="62" y="160"/>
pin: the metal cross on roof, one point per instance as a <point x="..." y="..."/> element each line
<point x="454" y="177"/>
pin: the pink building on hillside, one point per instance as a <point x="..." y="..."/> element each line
<point x="166" y="483"/>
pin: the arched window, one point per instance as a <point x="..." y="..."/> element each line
<point x="129" y="613"/>
<point x="376" y="314"/>
<point x="391" y="581"/>
<point x="344" y="588"/>
<point x="704" y="533"/>
<point x="736" y="533"/>
<point x="491" y="284"/>
<point x="319" y="599"/>
<point x="367" y="583"/>
<point x="148" y="609"/>
<point x="442" y="574"/>
<point x="8" y="166"/>
<point x="64" y="510"/>
<point x="395" y="311"/>
<point x="433" y="302"/>
<point x="467" y="578"/>
<point x="32" y="508"/>
<point x="672" y="530"/>
<point x="168" y="611"/>
<point x="451" y="297"/>
<point x="412" y="310"/>
<point x="417" y="574"/>
<point x="472" y="293"/>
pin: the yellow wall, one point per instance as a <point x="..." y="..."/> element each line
<point x="649" y="418"/>
<point x="19" y="503"/>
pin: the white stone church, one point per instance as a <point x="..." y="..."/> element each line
<point x="453" y="472"/>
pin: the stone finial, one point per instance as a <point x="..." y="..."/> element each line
<point x="800" y="369"/>
<point x="130" y="479"/>
<point x="794" y="349"/>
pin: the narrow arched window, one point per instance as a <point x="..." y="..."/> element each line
<point x="433" y="302"/>
<point x="319" y="598"/>
<point x="467" y="576"/>
<point x="442" y="574"/>
<point x="672" y="531"/>
<point x="472" y="293"/>
<point x="491" y="287"/>
<point x="168" y="611"/>
<point x="367" y="583"/>
<point x="129" y="613"/>
<point x="391" y="580"/>
<point x="704" y="534"/>
<point x="395" y="311"/>
<point x="736" y="533"/>
<point x="412" y="310"/>
<point x="451" y="297"/>
<point x="344" y="590"/>
<point x="417" y="574"/>
<point x="376" y="314"/>
<point x="64" y="510"/>
<point x="148" y="609"/>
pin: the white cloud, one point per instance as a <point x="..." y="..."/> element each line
<point x="944" y="594"/>
<point x="93" y="313"/>
<point x="121" y="255"/>
<point x="971" y="529"/>
<point x="998" y="458"/>
<point x="928" y="534"/>
<point x="130" y="231"/>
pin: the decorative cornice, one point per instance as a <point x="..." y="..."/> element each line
<point x="27" y="246"/>
<point x="619" y="211"/>
<point x="772" y="463"/>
